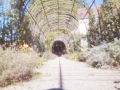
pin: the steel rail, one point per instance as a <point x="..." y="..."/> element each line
<point x="35" y="21"/>
<point x="45" y="14"/>
<point x="71" y="13"/>
<point x="33" y="18"/>
<point x="52" y="20"/>
<point x="58" y="13"/>
<point x="88" y="9"/>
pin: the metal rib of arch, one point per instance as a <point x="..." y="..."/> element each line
<point x="61" y="14"/>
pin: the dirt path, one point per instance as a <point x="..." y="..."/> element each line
<point x="63" y="74"/>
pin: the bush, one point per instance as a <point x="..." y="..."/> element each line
<point x="114" y="50"/>
<point x="40" y="62"/>
<point x="78" y="56"/>
<point x="82" y="56"/>
<point x="16" y="65"/>
<point x="49" y="55"/>
<point x="74" y="56"/>
<point x="105" y="55"/>
<point x="99" y="59"/>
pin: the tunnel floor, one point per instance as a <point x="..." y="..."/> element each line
<point x="58" y="48"/>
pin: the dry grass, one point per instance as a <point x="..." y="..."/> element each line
<point x="16" y="65"/>
<point x="49" y="55"/>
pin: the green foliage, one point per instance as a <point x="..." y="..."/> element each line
<point x="74" y="56"/>
<point x="36" y="75"/>
<point x="40" y="62"/>
<point x="79" y="56"/>
<point x="107" y="27"/>
<point x="75" y="44"/>
<point x="18" y="25"/>
<point x="91" y="32"/>
<point x="83" y="36"/>
<point x="71" y="48"/>
<point x="25" y="50"/>
<point x="39" y="44"/>
<point x="114" y="49"/>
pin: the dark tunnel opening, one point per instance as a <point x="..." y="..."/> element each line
<point x="58" y="48"/>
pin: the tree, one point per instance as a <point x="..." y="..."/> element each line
<point x="18" y="22"/>
<point x="92" y="29"/>
<point x="108" y="24"/>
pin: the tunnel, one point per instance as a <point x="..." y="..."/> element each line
<point x="58" y="48"/>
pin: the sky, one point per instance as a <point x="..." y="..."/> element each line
<point x="89" y="2"/>
<point x="97" y="2"/>
<point x="5" y="8"/>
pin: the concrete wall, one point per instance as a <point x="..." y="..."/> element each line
<point x="83" y="26"/>
<point x="63" y="38"/>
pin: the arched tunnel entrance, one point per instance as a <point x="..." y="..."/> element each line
<point x="59" y="48"/>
